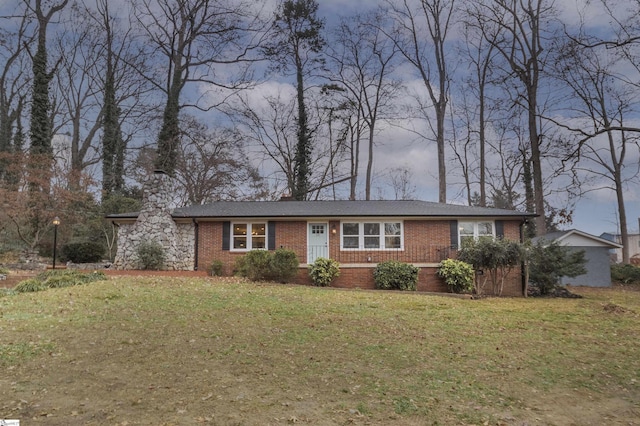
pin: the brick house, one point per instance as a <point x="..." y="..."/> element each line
<point x="358" y="234"/>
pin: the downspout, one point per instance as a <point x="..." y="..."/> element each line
<point x="195" y="242"/>
<point x="523" y="264"/>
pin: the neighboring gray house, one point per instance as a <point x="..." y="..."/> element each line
<point x="634" y="246"/>
<point x="596" y="249"/>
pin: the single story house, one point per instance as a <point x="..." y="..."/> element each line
<point x="357" y="234"/>
<point x="597" y="254"/>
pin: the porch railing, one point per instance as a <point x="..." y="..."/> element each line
<point x="430" y="253"/>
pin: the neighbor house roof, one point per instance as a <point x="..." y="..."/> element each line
<point x="575" y="237"/>
<point x="327" y="209"/>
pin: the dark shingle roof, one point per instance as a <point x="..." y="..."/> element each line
<point x="304" y="209"/>
<point x="561" y="235"/>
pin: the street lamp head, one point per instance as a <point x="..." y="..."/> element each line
<point x="56" y="221"/>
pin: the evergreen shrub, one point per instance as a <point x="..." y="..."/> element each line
<point x="215" y="269"/>
<point x="83" y="252"/>
<point x="151" y="255"/>
<point x="625" y="274"/>
<point x="263" y="265"/>
<point x="283" y="265"/>
<point x="254" y="265"/>
<point x="392" y="275"/>
<point x="323" y="271"/>
<point x="458" y="275"/>
<point x="548" y="262"/>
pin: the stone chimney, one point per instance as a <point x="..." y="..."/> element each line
<point x="155" y="224"/>
<point x="157" y="192"/>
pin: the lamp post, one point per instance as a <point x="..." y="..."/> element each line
<point x="56" y="222"/>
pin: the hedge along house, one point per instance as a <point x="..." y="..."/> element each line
<point x="357" y="234"/>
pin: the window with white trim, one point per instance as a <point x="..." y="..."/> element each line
<point x="371" y="235"/>
<point x="249" y="236"/>
<point x="475" y="230"/>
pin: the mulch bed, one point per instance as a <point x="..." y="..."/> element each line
<point x="533" y="291"/>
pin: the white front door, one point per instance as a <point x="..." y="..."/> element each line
<point x="317" y="242"/>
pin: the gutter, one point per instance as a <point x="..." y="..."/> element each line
<point x="196" y="232"/>
<point x="524" y="271"/>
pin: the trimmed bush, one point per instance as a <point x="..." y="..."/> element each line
<point x="394" y="275"/>
<point x="254" y="265"/>
<point x="283" y="265"/>
<point x="323" y="271"/>
<point x="151" y="255"/>
<point x="84" y="252"/>
<point x="625" y="274"/>
<point x="263" y="265"/>
<point x="215" y="269"/>
<point x="458" y="275"/>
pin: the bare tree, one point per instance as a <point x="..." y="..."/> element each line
<point x="477" y="114"/>
<point x="14" y="80"/>
<point x="518" y="30"/>
<point x="29" y="212"/>
<point x="79" y="93"/>
<point x="209" y="42"/>
<point x="212" y="165"/>
<point x="606" y="102"/>
<point x="506" y="170"/>
<point x="269" y="127"/>
<point x="400" y="180"/>
<point x="429" y="56"/>
<point x="363" y="61"/>
<point x="271" y="132"/>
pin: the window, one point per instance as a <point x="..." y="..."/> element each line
<point x="249" y="236"/>
<point x="474" y="230"/>
<point x="371" y="235"/>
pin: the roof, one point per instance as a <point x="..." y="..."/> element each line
<point x="327" y="209"/>
<point x="572" y="236"/>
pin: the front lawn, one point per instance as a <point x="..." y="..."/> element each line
<point x="222" y="351"/>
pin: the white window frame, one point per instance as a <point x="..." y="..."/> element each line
<point x="476" y="229"/>
<point x="361" y="235"/>
<point x="249" y="236"/>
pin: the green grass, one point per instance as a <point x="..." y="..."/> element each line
<point x="256" y="353"/>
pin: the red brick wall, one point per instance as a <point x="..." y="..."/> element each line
<point x="288" y="234"/>
<point x="425" y="241"/>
